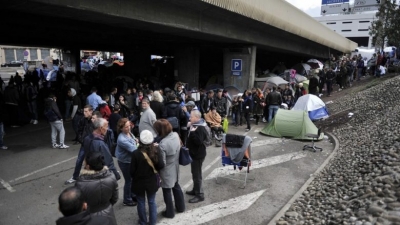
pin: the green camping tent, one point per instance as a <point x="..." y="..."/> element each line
<point x="293" y="124"/>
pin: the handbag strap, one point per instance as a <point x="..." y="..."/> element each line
<point x="149" y="161"/>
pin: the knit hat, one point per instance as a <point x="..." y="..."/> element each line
<point x="146" y="137"/>
<point x="190" y="103"/>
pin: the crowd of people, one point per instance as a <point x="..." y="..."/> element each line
<point x="144" y="129"/>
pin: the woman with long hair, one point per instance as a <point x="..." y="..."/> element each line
<point x="124" y="110"/>
<point x="157" y="104"/>
<point x="258" y="105"/>
<point x="126" y="144"/>
<point x="144" y="165"/>
<point x="169" y="147"/>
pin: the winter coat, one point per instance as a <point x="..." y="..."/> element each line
<point x="94" y="142"/>
<point x="206" y="104"/>
<point x="84" y="218"/>
<point x="247" y="105"/>
<point x="274" y="98"/>
<point x="130" y="101"/>
<point x="11" y="95"/>
<point x="169" y="147"/>
<point x="313" y="85"/>
<point x="258" y="107"/>
<point x="147" y="120"/>
<point x="143" y="176"/>
<point x="173" y="109"/>
<point x="125" y="146"/>
<point x="213" y="119"/>
<point x="158" y="108"/>
<point x="195" y="140"/>
<point x="105" y="110"/>
<point x="100" y="190"/>
<point x="85" y="128"/>
<point x="221" y="105"/>
<point x="50" y="104"/>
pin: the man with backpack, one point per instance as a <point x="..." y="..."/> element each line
<point x="196" y="142"/>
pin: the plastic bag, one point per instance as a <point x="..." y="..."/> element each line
<point x="225" y="125"/>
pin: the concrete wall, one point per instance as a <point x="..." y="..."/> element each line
<point x="246" y="79"/>
<point x="187" y="61"/>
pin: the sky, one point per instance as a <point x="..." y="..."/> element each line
<point x="311" y="7"/>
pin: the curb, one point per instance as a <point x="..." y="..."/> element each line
<point x="307" y="183"/>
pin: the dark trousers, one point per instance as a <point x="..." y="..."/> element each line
<point x="247" y="117"/>
<point x="197" y="176"/>
<point x="238" y="118"/>
<point x="321" y="86"/>
<point x="184" y="134"/>
<point x="329" y="86"/>
<point x="12" y="111"/>
<point x="79" y="161"/>
<point x="178" y="198"/>
<point x="125" y="168"/>
<point x="265" y="112"/>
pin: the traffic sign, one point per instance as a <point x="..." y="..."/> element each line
<point x="334" y="9"/>
<point x="26" y="53"/>
<point x="327" y="2"/>
<point x="236" y="65"/>
<point x="363" y="3"/>
<point x="366" y="8"/>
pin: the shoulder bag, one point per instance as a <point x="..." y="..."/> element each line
<point x="158" y="179"/>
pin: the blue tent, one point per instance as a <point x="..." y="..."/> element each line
<point x="313" y="105"/>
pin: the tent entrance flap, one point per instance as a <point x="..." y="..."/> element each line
<point x="294" y="124"/>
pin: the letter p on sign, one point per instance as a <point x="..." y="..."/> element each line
<point x="236" y="65"/>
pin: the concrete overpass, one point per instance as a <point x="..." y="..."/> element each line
<point x="172" y="27"/>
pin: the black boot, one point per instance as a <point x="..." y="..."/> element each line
<point x="197" y="198"/>
<point x="190" y="192"/>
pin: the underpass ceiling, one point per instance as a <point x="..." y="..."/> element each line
<point x="69" y="27"/>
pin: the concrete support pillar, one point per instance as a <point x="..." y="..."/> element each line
<point x="71" y="58"/>
<point x="246" y="57"/>
<point x="137" y="62"/>
<point x="187" y="66"/>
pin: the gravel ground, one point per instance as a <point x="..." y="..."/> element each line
<point x="361" y="184"/>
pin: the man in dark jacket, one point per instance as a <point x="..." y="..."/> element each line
<point x="313" y="85"/>
<point x="173" y="109"/>
<point x="75" y="210"/>
<point x="56" y="123"/>
<point x="274" y="100"/>
<point x="221" y="103"/>
<point x="85" y="128"/>
<point x="95" y="142"/>
<point x="197" y="150"/>
<point x="207" y="102"/>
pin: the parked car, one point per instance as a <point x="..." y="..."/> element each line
<point x="13" y="64"/>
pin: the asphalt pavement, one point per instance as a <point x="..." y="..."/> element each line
<point x="32" y="175"/>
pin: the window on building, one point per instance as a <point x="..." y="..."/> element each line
<point x="331" y="23"/>
<point x="364" y="21"/>
<point x="346" y="30"/>
<point x="362" y="29"/>
<point x="347" y="22"/>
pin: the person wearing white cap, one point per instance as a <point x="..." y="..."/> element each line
<point x="144" y="166"/>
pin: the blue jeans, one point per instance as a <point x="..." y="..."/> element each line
<point x="141" y="208"/>
<point x="272" y="111"/>
<point x="1" y="134"/>
<point x="125" y="169"/>
<point x="79" y="161"/>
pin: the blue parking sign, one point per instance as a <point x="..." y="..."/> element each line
<point x="236" y="65"/>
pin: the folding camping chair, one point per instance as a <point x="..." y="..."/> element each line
<point x="235" y="170"/>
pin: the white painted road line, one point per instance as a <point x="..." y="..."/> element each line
<point x="7" y="185"/>
<point x="214" y="211"/>
<point x="227" y="170"/>
<point x="266" y="142"/>
<point x="40" y="170"/>
<point x="190" y="182"/>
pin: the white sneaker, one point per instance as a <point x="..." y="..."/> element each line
<point x="264" y="121"/>
<point x="31" y="121"/>
<point x="4" y="147"/>
<point x="35" y="122"/>
<point x="70" y="181"/>
<point x="62" y="146"/>
<point x="56" y="145"/>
